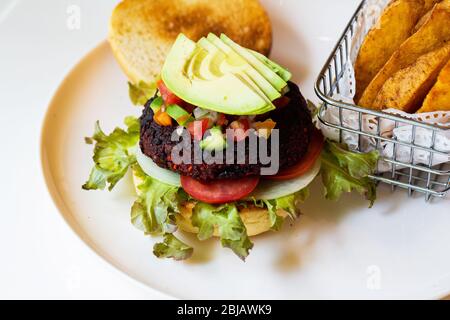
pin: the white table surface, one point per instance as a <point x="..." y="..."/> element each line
<point x="41" y="257"/>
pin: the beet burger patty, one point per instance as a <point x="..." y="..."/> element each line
<point x="293" y="120"/>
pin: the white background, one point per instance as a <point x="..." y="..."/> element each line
<point x="40" y="256"/>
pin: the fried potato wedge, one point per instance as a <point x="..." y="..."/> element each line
<point x="427" y="9"/>
<point x="429" y="4"/>
<point x="407" y="88"/>
<point x="438" y="99"/>
<point x="434" y="34"/>
<point x="394" y="26"/>
<point x="422" y="21"/>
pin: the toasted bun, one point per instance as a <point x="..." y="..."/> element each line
<point x="256" y="220"/>
<point x="142" y="32"/>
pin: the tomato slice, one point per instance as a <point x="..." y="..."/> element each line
<point x="198" y="128"/>
<point x="222" y="120"/>
<point x="307" y="162"/>
<point x="219" y="191"/>
<point x="170" y="98"/>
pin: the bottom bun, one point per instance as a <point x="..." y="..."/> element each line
<point x="256" y="220"/>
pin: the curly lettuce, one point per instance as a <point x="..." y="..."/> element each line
<point x="154" y="210"/>
<point x="346" y="171"/>
<point x="173" y="248"/>
<point x="113" y="154"/>
<point x="226" y="220"/>
<point x="154" y="213"/>
<point x="141" y="92"/>
<point x="288" y="204"/>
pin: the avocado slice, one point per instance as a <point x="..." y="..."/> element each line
<point x="235" y="60"/>
<point x="211" y="64"/>
<point x="193" y="70"/>
<point x="220" y="60"/>
<point x="216" y="64"/>
<point x="201" y="66"/>
<point x="227" y="94"/>
<point x="282" y="72"/>
<point x="262" y="68"/>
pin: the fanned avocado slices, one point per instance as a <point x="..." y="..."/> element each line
<point x="219" y="75"/>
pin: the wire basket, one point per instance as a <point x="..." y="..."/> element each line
<point x="427" y="179"/>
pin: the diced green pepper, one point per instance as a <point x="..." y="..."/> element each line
<point x="157" y="104"/>
<point x="181" y="116"/>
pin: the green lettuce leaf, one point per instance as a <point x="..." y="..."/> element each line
<point x="275" y="220"/>
<point x="240" y="247"/>
<point x="113" y="154"/>
<point x="142" y="92"/>
<point x="288" y="203"/>
<point x="154" y="210"/>
<point x="226" y="219"/>
<point x="172" y="248"/>
<point x="345" y="171"/>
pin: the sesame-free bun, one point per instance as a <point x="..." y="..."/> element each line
<point x="142" y="32"/>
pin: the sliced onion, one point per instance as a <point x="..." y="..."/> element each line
<point x="266" y="190"/>
<point x="200" y="113"/>
<point x="153" y="170"/>
<point x="270" y="189"/>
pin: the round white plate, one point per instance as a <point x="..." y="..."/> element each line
<point x="398" y="249"/>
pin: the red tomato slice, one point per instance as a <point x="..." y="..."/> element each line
<point x="170" y="98"/>
<point x="219" y="191"/>
<point x="222" y="120"/>
<point x="198" y="128"/>
<point x="308" y="161"/>
<point x="167" y="95"/>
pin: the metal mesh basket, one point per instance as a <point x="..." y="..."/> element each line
<point x="432" y="181"/>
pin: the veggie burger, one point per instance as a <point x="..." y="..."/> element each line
<point x="225" y="147"/>
<point x="225" y="97"/>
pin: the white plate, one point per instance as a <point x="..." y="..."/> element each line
<point x="399" y="249"/>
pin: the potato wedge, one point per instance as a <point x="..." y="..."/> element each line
<point x="438" y="99"/>
<point x="427" y="9"/>
<point x="407" y="88"/>
<point x="429" y="4"/>
<point x="393" y="28"/>
<point x="422" y="21"/>
<point x="434" y="34"/>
